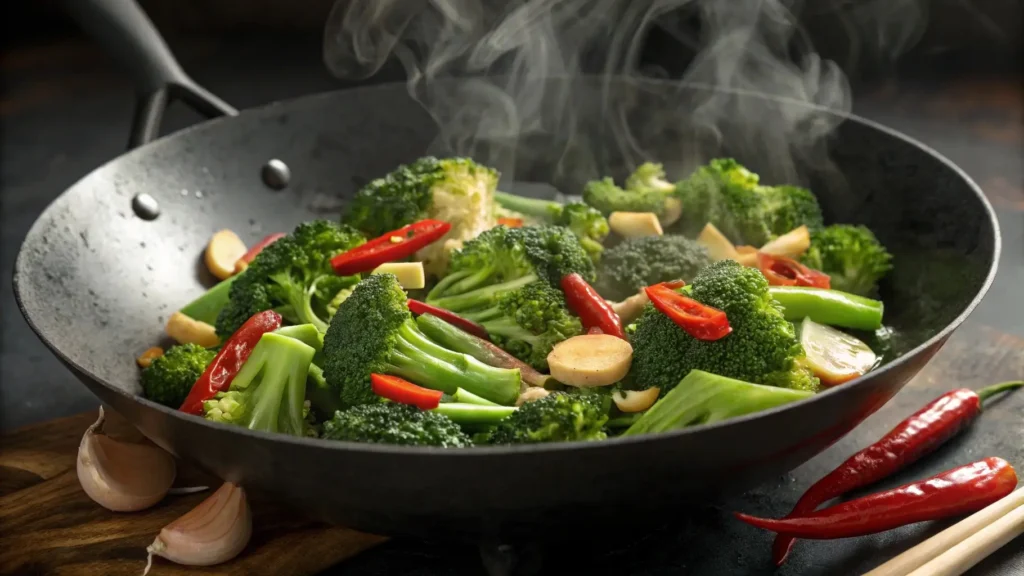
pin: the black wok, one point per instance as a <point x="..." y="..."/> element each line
<point x="96" y="280"/>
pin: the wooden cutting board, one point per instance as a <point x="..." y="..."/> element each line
<point x="48" y="526"/>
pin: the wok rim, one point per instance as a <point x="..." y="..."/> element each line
<point x="551" y="447"/>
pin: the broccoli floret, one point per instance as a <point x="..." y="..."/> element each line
<point x="851" y="255"/>
<point x="169" y="378"/>
<point x="269" y="392"/>
<point x="763" y="347"/>
<point x="374" y="332"/>
<point x="646" y="190"/>
<point x="454" y="190"/>
<point x="587" y="223"/>
<point x="505" y="259"/>
<point x="390" y="423"/>
<point x="558" y="417"/>
<point x="637" y="262"/>
<point x="729" y="196"/>
<point x="293" y="276"/>
<point x="528" y="322"/>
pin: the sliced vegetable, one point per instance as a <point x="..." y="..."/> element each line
<point x="747" y="255"/>
<point x="700" y="321"/>
<point x="719" y="247"/>
<point x="147" y="357"/>
<point x="830" y="307"/>
<point x="474" y="415"/>
<point x="208" y="306"/>
<point x="791" y="244"/>
<point x="510" y="222"/>
<point x="783" y="271"/>
<point x="635" y="224"/>
<point x="420" y="308"/>
<point x="222" y="252"/>
<point x="590" y="360"/>
<point x="410" y="274"/>
<point x="594" y="311"/>
<point x="703" y="398"/>
<point x="630" y="401"/>
<point x="673" y="211"/>
<point x="631" y="308"/>
<point x="185" y="330"/>
<point x="229" y="360"/>
<point x="454" y="338"/>
<point x="389" y="247"/>
<point x="531" y="394"/>
<point x="951" y="493"/>
<point x="242" y="263"/>
<point x="835" y="357"/>
<point x="404" y="392"/>
<point x="467" y="397"/>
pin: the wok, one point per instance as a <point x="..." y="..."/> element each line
<point x="97" y="277"/>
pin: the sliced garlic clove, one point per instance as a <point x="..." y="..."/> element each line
<point x="122" y="476"/>
<point x="215" y="531"/>
<point x="222" y="253"/>
<point x="631" y="401"/>
<point x="530" y="394"/>
<point x="185" y="330"/>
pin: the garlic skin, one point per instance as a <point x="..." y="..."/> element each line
<point x="215" y="531"/>
<point x="122" y="476"/>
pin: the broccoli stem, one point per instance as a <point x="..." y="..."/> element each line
<point x="830" y="307"/>
<point x="322" y="398"/>
<point x="418" y="359"/>
<point x="703" y="398"/>
<point x="467" y="397"/>
<point x="309" y="335"/>
<point x="481" y="296"/>
<point x="506" y="327"/>
<point x="546" y="209"/>
<point x="208" y="306"/>
<point x="474" y="415"/>
<point x="624" y="421"/>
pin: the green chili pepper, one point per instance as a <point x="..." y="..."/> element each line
<point x="830" y="307"/>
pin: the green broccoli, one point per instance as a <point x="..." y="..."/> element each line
<point x="454" y="190"/>
<point x="268" y="393"/>
<point x="729" y="196"/>
<point x="528" y="322"/>
<point x="169" y="378"/>
<point x="646" y="190"/>
<point x="763" y="347"/>
<point x="637" y="262"/>
<point x="558" y="417"/>
<point x="293" y="276"/>
<point x="374" y="332"/>
<point x="390" y="423"/>
<point x="851" y="255"/>
<point x="588" y="224"/>
<point x="504" y="259"/>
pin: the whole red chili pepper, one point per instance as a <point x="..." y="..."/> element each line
<point x="389" y="247"/>
<point x="404" y="392"/>
<point x="920" y="434"/>
<point x="700" y="321"/>
<point x="950" y="493"/>
<point x="418" y="308"/>
<point x="783" y="271"/>
<point x="226" y="364"/>
<point x="594" y="311"/>
<point x="249" y="256"/>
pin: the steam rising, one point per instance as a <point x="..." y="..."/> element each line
<point x="551" y="89"/>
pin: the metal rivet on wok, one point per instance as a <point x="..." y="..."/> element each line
<point x="276" y="174"/>
<point x="145" y="206"/>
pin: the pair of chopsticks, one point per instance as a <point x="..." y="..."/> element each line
<point x="959" y="547"/>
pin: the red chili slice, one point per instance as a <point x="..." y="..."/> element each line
<point x="226" y="364"/>
<point x="404" y="392"/>
<point x="418" y="308"/>
<point x="511" y="222"/>
<point x="389" y="247"/>
<point x="594" y="311"/>
<point x="783" y="271"/>
<point x="255" y="250"/>
<point x="700" y="321"/>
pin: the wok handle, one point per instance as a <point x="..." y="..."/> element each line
<point x="128" y="34"/>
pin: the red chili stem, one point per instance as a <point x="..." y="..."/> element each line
<point x="951" y="493"/>
<point x="404" y="392"/>
<point x="418" y="308"/>
<point x="389" y="247"/>
<point x="593" y="310"/>
<point x="226" y="364"/>
<point x="916" y="436"/>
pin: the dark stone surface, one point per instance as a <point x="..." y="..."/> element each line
<point x="66" y="114"/>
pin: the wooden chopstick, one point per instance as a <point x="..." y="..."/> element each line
<point x="951" y="539"/>
<point x="961" y="557"/>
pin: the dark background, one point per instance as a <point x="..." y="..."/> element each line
<point x="66" y="108"/>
